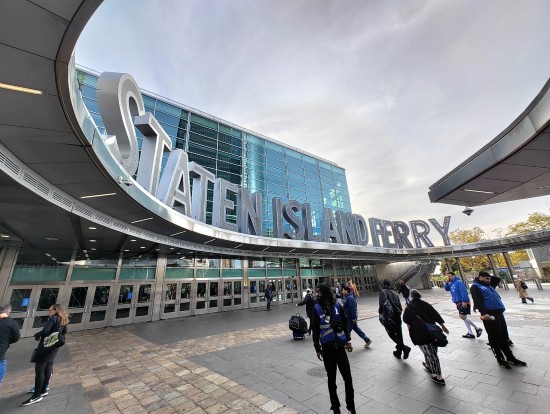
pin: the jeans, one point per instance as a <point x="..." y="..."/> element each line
<point x="497" y="331"/>
<point x="3" y="366"/>
<point x="268" y="303"/>
<point x="396" y="335"/>
<point x="333" y="359"/>
<point x="407" y="299"/>
<point x="354" y="327"/>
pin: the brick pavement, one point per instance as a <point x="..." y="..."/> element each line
<point x="262" y="370"/>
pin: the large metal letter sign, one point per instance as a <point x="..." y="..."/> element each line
<point x="122" y="110"/>
<point x="174" y="184"/>
<point x="119" y="99"/>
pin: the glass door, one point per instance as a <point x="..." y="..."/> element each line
<point x="88" y="306"/>
<point x="20" y="300"/>
<point x="254" y="293"/>
<point x="133" y="303"/>
<point x="232" y="295"/>
<point x="206" y="297"/>
<point x="291" y="285"/>
<point x="176" y="300"/>
<point x="278" y="290"/>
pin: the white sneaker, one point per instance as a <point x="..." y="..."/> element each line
<point x="367" y="344"/>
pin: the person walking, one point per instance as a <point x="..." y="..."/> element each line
<point x="9" y="334"/>
<point x="353" y="288"/>
<point x="393" y="324"/>
<point x="416" y="313"/>
<point x="404" y="290"/>
<point x="310" y="302"/>
<point x="350" y="309"/>
<point x="57" y="322"/>
<point x="268" y="296"/>
<point x="459" y="295"/>
<point x="331" y="340"/>
<point x="488" y="302"/>
<point x="521" y="287"/>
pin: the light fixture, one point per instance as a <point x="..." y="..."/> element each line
<point x="479" y="191"/>
<point x="237" y="246"/>
<point x="139" y="221"/>
<point x="179" y="232"/>
<point x="265" y="249"/>
<point x="47" y="254"/>
<point x="290" y="251"/>
<point x="51" y="238"/>
<point x="133" y="240"/>
<point x="172" y="248"/>
<point x="21" y="89"/>
<point x="5" y="236"/>
<point x="99" y="195"/>
<point x="142" y="247"/>
<point x="209" y="241"/>
<point x="93" y="248"/>
<point x="126" y="250"/>
<point x="92" y="241"/>
<point x="92" y="228"/>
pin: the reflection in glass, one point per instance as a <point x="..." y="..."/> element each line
<point x="253" y="286"/>
<point x="227" y="302"/>
<point x="96" y="316"/>
<point x="262" y="286"/>
<point x="76" y="317"/>
<point x="227" y="288"/>
<point x="184" y="306"/>
<point x="78" y="298"/>
<point x="48" y="297"/>
<point x="201" y="290"/>
<point x="20" y="299"/>
<point x="185" y="292"/>
<point x="201" y="304"/>
<point x="213" y="304"/>
<point x="125" y="295"/>
<point x="170" y="291"/>
<point x="236" y="301"/>
<point x="101" y="296"/>
<point x="213" y="289"/>
<point x="237" y="288"/>
<point x="253" y="299"/>
<point x="142" y="310"/>
<point x="40" y="321"/>
<point x="170" y="308"/>
<point x="144" y="294"/>
<point x="122" y="313"/>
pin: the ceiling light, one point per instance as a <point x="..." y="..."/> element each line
<point x="239" y="245"/>
<point x="172" y="248"/>
<point x="92" y="241"/>
<point x="133" y="240"/>
<point x="93" y="248"/>
<point x="92" y="228"/>
<point x="47" y="254"/>
<point x="21" y="89"/>
<point x="290" y="251"/>
<point x="479" y="191"/>
<point x="126" y="250"/>
<point x="99" y="195"/>
<point x="5" y="236"/>
<point x="209" y="241"/>
<point x="536" y="188"/>
<point x="142" y="247"/>
<point x="85" y="251"/>
<point x="139" y="221"/>
<point x="51" y="238"/>
<point x="157" y="250"/>
<point x="265" y="249"/>
<point x="179" y="232"/>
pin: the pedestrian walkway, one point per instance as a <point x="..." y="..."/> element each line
<point x="247" y="362"/>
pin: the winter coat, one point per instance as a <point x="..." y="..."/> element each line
<point x="418" y="331"/>
<point x="522" y="292"/>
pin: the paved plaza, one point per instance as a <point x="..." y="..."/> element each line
<point x="247" y="362"/>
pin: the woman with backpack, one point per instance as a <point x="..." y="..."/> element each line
<point x="521" y="287"/>
<point x="45" y="354"/>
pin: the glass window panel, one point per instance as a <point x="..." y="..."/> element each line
<point x="170" y="308"/>
<point x="275" y="170"/>
<point x="179" y="273"/>
<point x="230" y="158"/>
<point x="40" y="321"/>
<point x="171" y="109"/>
<point x="20" y="299"/>
<point x="228" y="167"/>
<point x="142" y="311"/>
<point x="255" y="140"/>
<point x="180" y="261"/>
<point x="168" y="119"/>
<point x="206" y="162"/>
<point x="202" y="141"/>
<point x="295" y="169"/>
<point x="255" y="157"/>
<point x="255" y="148"/>
<point x="275" y="156"/>
<point x="170" y="291"/>
<point x="96" y="316"/>
<point x="137" y="273"/>
<point x="204" y="121"/>
<point x="144" y="293"/>
<point x="232" y="263"/>
<point x="312" y="174"/>
<point x="48" y="297"/>
<point x="125" y="294"/>
<point x="185" y="292"/>
<point x="149" y="101"/>
<point x="78" y="297"/>
<point x="122" y="313"/>
<point x="101" y="296"/>
<point x="90" y="273"/>
<point x="202" y="130"/>
<point x="273" y="263"/>
<point x="88" y="92"/>
<point x="91" y="104"/>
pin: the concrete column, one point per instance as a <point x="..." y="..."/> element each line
<point x="448" y="265"/>
<point x="246" y="287"/>
<point x="160" y="273"/>
<point x="510" y="268"/>
<point x="503" y="283"/>
<point x="8" y="258"/>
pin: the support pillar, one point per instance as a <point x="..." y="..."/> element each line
<point x="8" y="258"/>
<point x="461" y="271"/>
<point x="448" y="265"/>
<point x="509" y="265"/>
<point x="502" y="283"/>
<point x="158" y="292"/>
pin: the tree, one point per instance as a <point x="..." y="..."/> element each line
<point x="535" y="222"/>
<point x="470" y="263"/>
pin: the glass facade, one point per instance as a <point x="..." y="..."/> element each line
<point x="242" y="158"/>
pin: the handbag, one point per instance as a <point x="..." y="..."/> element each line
<point x="524" y="285"/>
<point x="435" y="332"/>
<point x="55" y="339"/>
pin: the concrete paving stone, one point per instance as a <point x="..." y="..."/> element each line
<point x="464" y="407"/>
<point x="271" y="406"/>
<point x="408" y="405"/>
<point x="436" y="398"/>
<point x="294" y="390"/>
<point x="376" y="407"/>
<point x="505" y="406"/>
<point x="381" y="394"/>
<point x="539" y="401"/>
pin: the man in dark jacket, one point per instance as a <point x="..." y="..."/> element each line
<point x="350" y="309"/>
<point x="490" y="306"/>
<point x="9" y="334"/>
<point x="393" y="325"/>
<point x="403" y="289"/>
<point x="310" y="302"/>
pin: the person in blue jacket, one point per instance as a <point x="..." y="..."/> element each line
<point x="491" y="308"/>
<point x="459" y="295"/>
<point x="331" y="340"/>
<point x="350" y="309"/>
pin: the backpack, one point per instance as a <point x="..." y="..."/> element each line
<point x="388" y="308"/>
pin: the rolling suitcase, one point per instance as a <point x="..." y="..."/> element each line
<point x="298" y="326"/>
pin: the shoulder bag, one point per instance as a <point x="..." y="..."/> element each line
<point x="435" y="332"/>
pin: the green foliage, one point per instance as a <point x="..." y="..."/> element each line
<point x="535" y="222"/>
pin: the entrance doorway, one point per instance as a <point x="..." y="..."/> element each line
<point x="206" y="298"/>
<point x="133" y="303"/>
<point x="176" y="299"/>
<point x="232" y="295"/>
<point x="89" y="306"/>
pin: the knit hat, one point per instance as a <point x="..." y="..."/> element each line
<point x="386" y="282"/>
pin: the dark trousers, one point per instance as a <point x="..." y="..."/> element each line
<point x="396" y="335"/>
<point x="269" y="303"/>
<point x="333" y="359"/>
<point x="498" y="334"/>
<point x="43" y="372"/>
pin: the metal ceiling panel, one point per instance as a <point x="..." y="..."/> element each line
<point x="484" y="184"/>
<point x="511" y="172"/>
<point x="29" y="27"/>
<point x="63" y="8"/>
<point x="541" y="143"/>
<point x="30" y="137"/>
<point x="532" y="158"/>
<point x="69" y="173"/>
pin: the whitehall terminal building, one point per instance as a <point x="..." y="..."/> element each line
<point x="128" y="207"/>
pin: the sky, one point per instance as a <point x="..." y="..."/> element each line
<point x="396" y="92"/>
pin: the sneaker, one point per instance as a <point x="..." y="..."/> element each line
<point x="31" y="401"/>
<point x="503" y="363"/>
<point x="468" y="335"/>
<point x="479" y="331"/>
<point x="516" y="361"/>
<point x="426" y="367"/>
<point x="31" y="391"/>
<point x="367" y="344"/>
<point x="397" y="354"/>
<point x="44" y="394"/>
<point x="509" y="342"/>
<point x="532" y="300"/>
<point x="406" y="352"/>
<point x="438" y="381"/>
